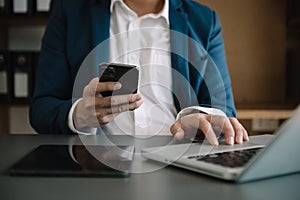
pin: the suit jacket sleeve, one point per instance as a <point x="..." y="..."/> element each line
<point x="216" y="50"/>
<point x="53" y="91"/>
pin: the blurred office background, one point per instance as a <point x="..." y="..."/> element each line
<point x="261" y="39"/>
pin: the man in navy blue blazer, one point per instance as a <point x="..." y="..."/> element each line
<point x="76" y="27"/>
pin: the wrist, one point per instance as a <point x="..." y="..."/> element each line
<point x="78" y="118"/>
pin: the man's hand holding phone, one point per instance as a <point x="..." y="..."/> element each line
<point x="95" y="110"/>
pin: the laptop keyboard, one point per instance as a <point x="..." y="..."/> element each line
<point x="229" y="159"/>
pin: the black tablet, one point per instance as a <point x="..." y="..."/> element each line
<point x="76" y="160"/>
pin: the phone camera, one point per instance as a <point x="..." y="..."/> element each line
<point x="109" y="72"/>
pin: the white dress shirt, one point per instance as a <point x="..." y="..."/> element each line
<point x="145" y="42"/>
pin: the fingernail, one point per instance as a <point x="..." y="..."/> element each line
<point x="179" y="135"/>
<point x="136" y="97"/>
<point x="247" y="139"/>
<point x="141" y="102"/>
<point x="117" y="86"/>
<point x="216" y="143"/>
<point x="231" y="140"/>
<point x="240" y="139"/>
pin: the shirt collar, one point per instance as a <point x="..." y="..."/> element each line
<point x="163" y="13"/>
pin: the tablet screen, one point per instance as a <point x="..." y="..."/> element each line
<point x="75" y="160"/>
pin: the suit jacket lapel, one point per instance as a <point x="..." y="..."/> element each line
<point x="100" y="25"/>
<point x="179" y="55"/>
<point x="100" y="15"/>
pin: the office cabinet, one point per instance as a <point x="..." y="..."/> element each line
<point x="17" y="65"/>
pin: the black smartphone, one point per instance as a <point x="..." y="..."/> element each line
<point x="127" y="75"/>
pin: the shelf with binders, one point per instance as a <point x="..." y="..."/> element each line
<point x="24" y="8"/>
<point x="22" y="23"/>
<point x="17" y="71"/>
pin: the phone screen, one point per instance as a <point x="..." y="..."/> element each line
<point x="127" y="75"/>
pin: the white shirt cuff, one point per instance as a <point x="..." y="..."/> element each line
<point x="71" y="125"/>
<point x="192" y="109"/>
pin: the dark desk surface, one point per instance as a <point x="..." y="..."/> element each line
<point x="167" y="183"/>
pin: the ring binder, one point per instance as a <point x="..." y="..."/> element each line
<point x="42" y="7"/>
<point x="22" y="79"/>
<point x="23" y="7"/>
<point x="4" y="76"/>
<point x="4" y="7"/>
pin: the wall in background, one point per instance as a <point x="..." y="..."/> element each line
<point x="255" y="40"/>
<point x="19" y="120"/>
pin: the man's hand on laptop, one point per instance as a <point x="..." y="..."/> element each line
<point x="188" y="125"/>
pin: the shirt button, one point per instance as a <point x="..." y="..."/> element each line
<point x="134" y="25"/>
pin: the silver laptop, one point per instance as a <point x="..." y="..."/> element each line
<point x="263" y="156"/>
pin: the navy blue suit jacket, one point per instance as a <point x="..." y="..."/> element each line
<point x="75" y="27"/>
